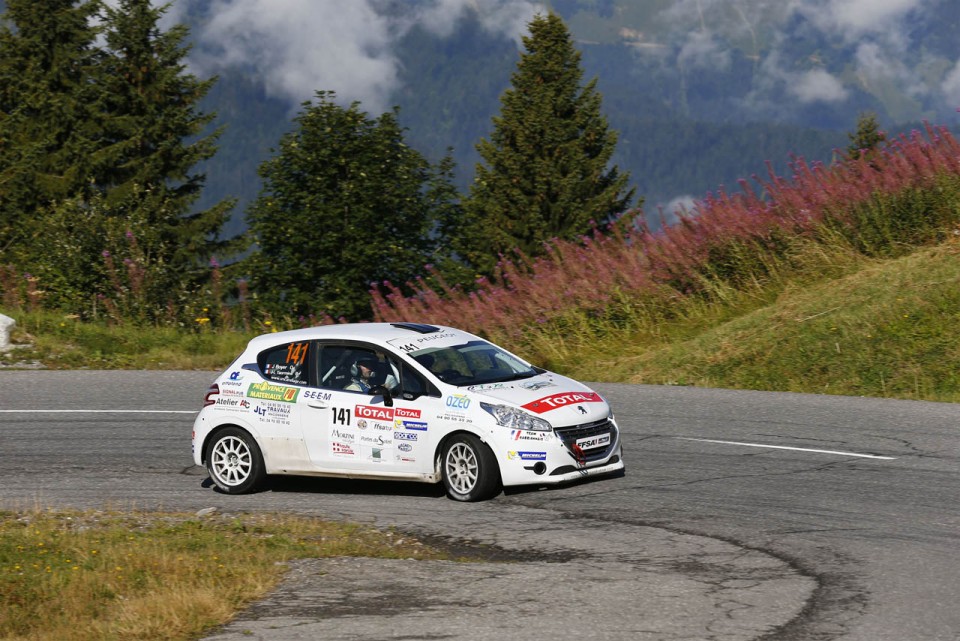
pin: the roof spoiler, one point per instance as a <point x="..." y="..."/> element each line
<point x="421" y="328"/>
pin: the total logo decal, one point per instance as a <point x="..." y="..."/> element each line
<point x="385" y="413"/>
<point x="526" y="456"/>
<point x="554" y="401"/>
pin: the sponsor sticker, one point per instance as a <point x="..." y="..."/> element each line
<point x="405" y="436"/>
<point x="375" y="413"/>
<point x="405" y="447"/>
<point x="341" y="436"/>
<point x="514" y="455"/>
<point x="341" y="449"/>
<point x="270" y="392"/>
<point x="563" y="399"/>
<point x="418" y="426"/>
<point x="270" y="412"/>
<point x="316" y="394"/>
<point x="523" y="435"/>
<point x="378" y="439"/>
<point x="591" y="442"/>
<point x="377" y="454"/>
<point x="458" y="402"/>
<point x="486" y="387"/>
<point x="535" y="385"/>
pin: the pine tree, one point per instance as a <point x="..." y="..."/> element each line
<point x="544" y="172"/>
<point x="345" y="204"/>
<point x="99" y="146"/>
<point x="154" y="138"/>
<point x="49" y="113"/>
<point x="867" y="138"/>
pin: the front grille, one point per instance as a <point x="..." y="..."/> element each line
<point x="570" y="435"/>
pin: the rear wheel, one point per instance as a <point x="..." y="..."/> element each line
<point x="469" y="469"/>
<point x="234" y="461"/>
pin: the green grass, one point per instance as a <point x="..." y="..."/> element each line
<point x="889" y="328"/>
<point x="101" y="575"/>
<point x="831" y="321"/>
<point x="59" y="341"/>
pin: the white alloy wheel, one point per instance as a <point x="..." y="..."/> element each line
<point x="234" y="461"/>
<point x="469" y="470"/>
<point x="462" y="468"/>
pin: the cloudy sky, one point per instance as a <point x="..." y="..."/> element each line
<point x="299" y="46"/>
<point x="880" y="34"/>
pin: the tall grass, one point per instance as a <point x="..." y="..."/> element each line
<point x="727" y="249"/>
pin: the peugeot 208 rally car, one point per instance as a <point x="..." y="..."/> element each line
<point x="402" y="401"/>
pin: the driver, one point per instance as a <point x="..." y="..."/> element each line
<point x="364" y="374"/>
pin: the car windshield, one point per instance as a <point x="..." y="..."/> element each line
<point x="473" y="363"/>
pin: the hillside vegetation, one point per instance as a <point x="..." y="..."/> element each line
<point x="840" y="280"/>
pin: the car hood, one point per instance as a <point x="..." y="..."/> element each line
<point x="560" y="400"/>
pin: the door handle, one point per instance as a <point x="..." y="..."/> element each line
<point x="317" y="405"/>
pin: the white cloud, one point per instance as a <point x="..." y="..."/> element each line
<point x="855" y="18"/>
<point x="702" y="50"/>
<point x="679" y="206"/>
<point x="951" y="86"/>
<point x="297" y="47"/>
<point x="817" y="85"/>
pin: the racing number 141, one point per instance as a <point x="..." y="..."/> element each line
<point x="341" y="415"/>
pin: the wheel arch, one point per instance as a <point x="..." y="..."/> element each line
<point x="442" y="443"/>
<point x="205" y="446"/>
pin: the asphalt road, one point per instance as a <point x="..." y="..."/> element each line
<point x="743" y="515"/>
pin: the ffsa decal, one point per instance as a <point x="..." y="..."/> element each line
<point x="554" y="401"/>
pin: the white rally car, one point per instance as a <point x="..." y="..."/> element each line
<point x="401" y="401"/>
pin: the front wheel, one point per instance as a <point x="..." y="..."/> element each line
<point x="469" y="469"/>
<point x="234" y="461"/>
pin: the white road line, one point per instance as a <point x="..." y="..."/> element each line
<point x="98" y="411"/>
<point x="783" y="447"/>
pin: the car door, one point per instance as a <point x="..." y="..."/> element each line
<point x="357" y="431"/>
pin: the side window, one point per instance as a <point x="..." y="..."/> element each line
<point x="335" y="364"/>
<point x="286" y="363"/>
<point x="411" y="383"/>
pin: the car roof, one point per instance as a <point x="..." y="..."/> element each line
<point x="379" y="333"/>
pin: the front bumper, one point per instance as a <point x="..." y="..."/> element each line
<point x="558" y="457"/>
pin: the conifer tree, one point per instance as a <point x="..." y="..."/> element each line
<point x="345" y="204"/>
<point x="99" y="143"/>
<point x="867" y="137"/>
<point x="154" y="138"/>
<point x="49" y="112"/>
<point x="544" y="173"/>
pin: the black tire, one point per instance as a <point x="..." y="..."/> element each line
<point x="469" y="469"/>
<point x="234" y="461"/>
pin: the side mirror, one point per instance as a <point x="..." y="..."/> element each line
<point x="381" y="390"/>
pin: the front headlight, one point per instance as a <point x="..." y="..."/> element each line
<point x="516" y="419"/>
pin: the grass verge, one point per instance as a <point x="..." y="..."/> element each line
<point x="100" y="575"/>
<point x="891" y="328"/>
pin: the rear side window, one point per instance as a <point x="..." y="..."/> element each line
<point x="286" y="363"/>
